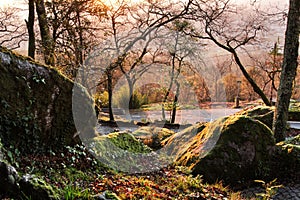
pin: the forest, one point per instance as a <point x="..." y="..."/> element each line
<point x="154" y="99"/>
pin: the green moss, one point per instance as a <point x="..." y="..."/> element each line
<point x="175" y="145"/>
<point x="233" y="149"/>
<point x="286" y="161"/>
<point x="265" y="114"/>
<point x="111" y="195"/>
<point x="36" y="188"/>
<point x="120" y="151"/>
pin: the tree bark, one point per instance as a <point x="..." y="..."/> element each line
<point x="289" y="70"/>
<point x="47" y="41"/>
<point x="253" y="84"/>
<point x="175" y="102"/>
<point x="110" y="93"/>
<point x="30" y="28"/>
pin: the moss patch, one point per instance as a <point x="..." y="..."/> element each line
<point x="265" y="114"/>
<point x="123" y="152"/>
<point x="176" y="145"/>
<point x="35" y="188"/>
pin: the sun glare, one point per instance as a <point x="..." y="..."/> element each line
<point x="13" y="3"/>
<point x="4" y="3"/>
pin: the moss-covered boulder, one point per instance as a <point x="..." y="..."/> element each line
<point x="286" y="160"/>
<point x="265" y="114"/>
<point x="36" y="104"/>
<point x="26" y="187"/>
<point x="121" y="151"/>
<point x="34" y="188"/>
<point x="175" y="145"/>
<point x="152" y="136"/>
<point x="234" y="149"/>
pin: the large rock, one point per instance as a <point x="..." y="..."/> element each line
<point x="152" y="136"/>
<point x="265" y="114"/>
<point x="175" y="145"/>
<point x="8" y="180"/>
<point x="36" y="104"/>
<point x="35" y="188"/>
<point x="121" y="151"/>
<point x="286" y="160"/>
<point x="234" y="149"/>
<point x="26" y="187"/>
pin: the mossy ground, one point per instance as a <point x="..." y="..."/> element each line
<point x="84" y="178"/>
<point x="74" y="173"/>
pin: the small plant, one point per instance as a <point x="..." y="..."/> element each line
<point x="71" y="192"/>
<point x="271" y="189"/>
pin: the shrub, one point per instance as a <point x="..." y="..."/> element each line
<point x="122" y="99"/>
<point x="101" y="99"/>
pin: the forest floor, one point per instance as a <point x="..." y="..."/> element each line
<point x="78" y="175"/>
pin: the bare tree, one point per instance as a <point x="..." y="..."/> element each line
<point x="73" y="26"/>
<point x="12" y="31"/>
<point x="289" y="69"/>
<point x="270" y="68"/>
<point x="217" y="24"/>
<point x="143" y="21"/>
<point x="179" y="50"/>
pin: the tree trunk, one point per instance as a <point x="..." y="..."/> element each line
<point x="289" y="69"/>
<point x="110" y="93"/>
<point x="47" y="41"/>
<point x="175" y="102"/>
<point x="30" y="28"/>
<point x="253" y="84"/>
<point x="166" y="96"/>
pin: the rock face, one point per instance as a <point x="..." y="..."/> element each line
<point x="234" y="149"/>
<point x="35" y="105"/>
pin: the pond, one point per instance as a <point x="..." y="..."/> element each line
<point x="182" y="117"/>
